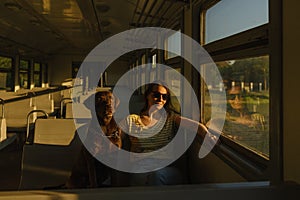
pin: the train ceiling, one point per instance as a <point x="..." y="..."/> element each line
<point x="48" y="27"/>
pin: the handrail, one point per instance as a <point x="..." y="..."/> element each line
<point x="31" y="94"/>
<point x="28" y="124"/>
<point x="62" y="105"/>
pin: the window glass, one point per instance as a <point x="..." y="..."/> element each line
<point x="144" y="59"/>
<point x="174" y="79"/>
<point x="173" y="43"/>
<point x="37" y="75"/>
<point x="24" y="65"/>
<point x="229" y="17"/>
<point x="5" y="63"/>
<point x="137" y="74"/>
<point x="23" y="80"/>
<point x="153" y="69"/>
<point x="132" y="76"/>
<point x="5" y="81"/>
<point x="37" y="67"/>
<point x="37" y="80"/>
<point x="246" y="83"/>
<point x="23" y="73"/>
<point x="154" y="57"/>
<point x="45" y="73"/>
<point x="143" y="78"/>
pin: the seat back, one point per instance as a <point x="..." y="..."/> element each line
<point x="48" y="161"/>
<point x="2" y="123"/>
<point x="44" y="102"/>
<point x="16" y="112"/>
<point x="3" y="134"/>
<point x="82" y="112"/>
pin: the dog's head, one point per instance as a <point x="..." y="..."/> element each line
<point x="105" y="106"/>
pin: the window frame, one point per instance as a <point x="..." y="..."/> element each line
<point x="253" y="42"/>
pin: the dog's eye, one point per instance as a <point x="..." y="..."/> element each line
<point x="100" y="99"/>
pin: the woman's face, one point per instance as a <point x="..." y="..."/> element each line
<point x="157" y="97"/>
<point x="236" y="100"/>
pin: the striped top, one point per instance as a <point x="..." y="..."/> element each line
<point x="149" y="138"/>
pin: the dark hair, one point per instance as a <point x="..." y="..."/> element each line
<point x="168" y="105"/>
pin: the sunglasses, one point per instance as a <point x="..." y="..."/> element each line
<point x="158" y="95"/>
<point x="233" y="96"/>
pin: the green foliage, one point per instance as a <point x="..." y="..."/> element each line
<point x="254" y="70"/>
<point x="5" y="62"/>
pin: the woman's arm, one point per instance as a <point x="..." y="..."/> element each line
<point x="195" y="126"/>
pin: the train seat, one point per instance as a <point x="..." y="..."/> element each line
<point x="16" y="114"/>
<point x="3" y="134"/>
<point x="82" y="112"/>
<point x="48" y="159"/>
<point x="44" y="102"/>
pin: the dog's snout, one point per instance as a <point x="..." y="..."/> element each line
<point x="108" y="106"/>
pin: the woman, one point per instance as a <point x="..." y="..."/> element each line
<point x="243" y="126"/>
<point x="160" y="123"/>
<point x="239" y="112"/>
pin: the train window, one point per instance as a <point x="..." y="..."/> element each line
<point x="153" y="68"/>
<point x="5" y="62"/>
<point x="143" y="73"/>
<point x="45" y="75"/>
<point x="6" y="65"/>
<point x="247" y="89"/>
<point x="24" y="74"/>
<point x="229" y="17"/>
<point x="37" y="74"/>
<point x="174" y="79"/>
<point x="173" y="43"/>
<point x="132" y="75"/>
<point x="137" y="74"/>
<point x="237" y="39"/>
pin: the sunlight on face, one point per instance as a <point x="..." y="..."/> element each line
<point x="157" y="98"/>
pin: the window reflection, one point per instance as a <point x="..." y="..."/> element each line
<point x="247" y="90"/>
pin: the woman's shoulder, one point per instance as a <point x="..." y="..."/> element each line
<point x="129" y="121"/>
<point x="133" y="117"/>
